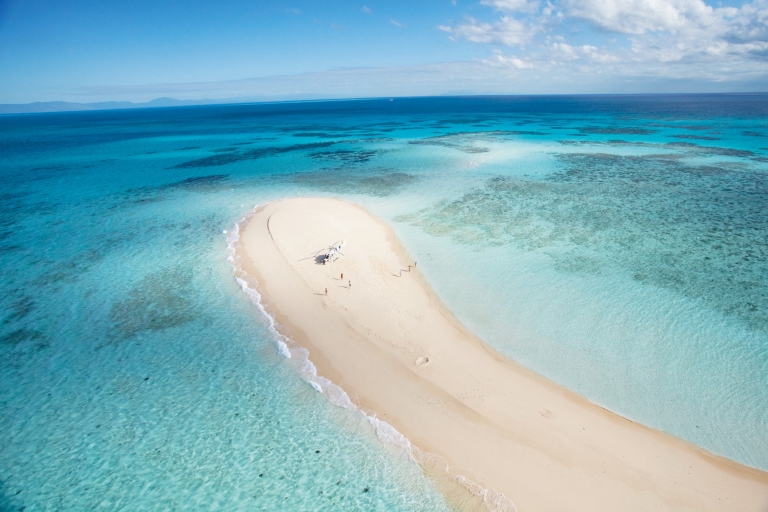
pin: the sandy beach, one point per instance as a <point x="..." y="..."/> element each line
<point x="383" y="336"/>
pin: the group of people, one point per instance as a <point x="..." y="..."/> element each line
<point x="350" y="282"/>
<point x="342" y="278"/>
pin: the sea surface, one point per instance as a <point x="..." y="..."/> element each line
<point x="617" y="245"/>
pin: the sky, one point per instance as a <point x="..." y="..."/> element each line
<point x="91" y="51"/>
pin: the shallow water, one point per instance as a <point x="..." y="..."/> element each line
<point x="615" y="245"/>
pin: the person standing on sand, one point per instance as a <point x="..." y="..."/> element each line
<point x="326" y="291"/>
<point x="342" y="276"/>
<point x="350" y="285"/>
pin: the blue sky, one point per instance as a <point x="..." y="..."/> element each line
<point x="82" y="50"/>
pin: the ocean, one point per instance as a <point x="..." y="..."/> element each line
<point x="617" y="245"/>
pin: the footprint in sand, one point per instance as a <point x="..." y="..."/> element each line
<point x="546" y="413"/>
<point x="421" y="361"/>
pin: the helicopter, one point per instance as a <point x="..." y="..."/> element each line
<point x="332" y="252"/>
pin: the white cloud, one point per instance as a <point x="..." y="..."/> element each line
<point x="367" y="10"/>
<point x="397" y="23"/>
<point x="508" y="31"/>
<point x="669" y="39"/>
<point x="565" y="51"/>
<point x="512" y="5"/>
<point x="708" y="35"/>
<point x="501" y="60"/>
<point x="678" y="29"/>
<point x="559" y="52"/>
<point x="641" y="16"/>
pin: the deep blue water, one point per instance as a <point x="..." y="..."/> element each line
<point x="615" y="244"/>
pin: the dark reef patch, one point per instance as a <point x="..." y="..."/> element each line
<point x="695" y="128"/>
<point x="699" y="230"/>
<point x="338" y="130"/>
<point x="69" y="271"/>
<point x="347" y="156"/>
<point x="159" y="301"/>
<point x="39" y="173"/>
<point x="753" y="134"/>
<point x="696" y="137"/>
<point x="20" y="309"/>
<point x="375" y="140"/>
<point x="463" y="120"/>
<point x="19" y="336"/>
<point x="252" y="154"/>
<point x="374" y="182"/>
<point x="317" y="135"/>
<point x="211" y="161"/>
<point x="598" y="130"/>
<point x="199" y="183"/>
<point x="711" y="150"/>
<point x="686" y="148"/>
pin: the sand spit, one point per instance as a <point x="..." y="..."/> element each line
<point x="387" y="340"/>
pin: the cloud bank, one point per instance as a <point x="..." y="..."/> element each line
<point x="531" y="47"/>
<point x="638" y="39"/>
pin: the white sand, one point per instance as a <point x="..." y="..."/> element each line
<point x="399" y="353"/>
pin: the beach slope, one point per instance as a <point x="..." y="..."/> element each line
<point x="385" y="338"/>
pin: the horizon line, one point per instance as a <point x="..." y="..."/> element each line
<point x="50" y="107"/>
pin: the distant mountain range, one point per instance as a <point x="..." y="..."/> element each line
<point x="66" y="106"/>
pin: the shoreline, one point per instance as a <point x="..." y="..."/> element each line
<point x="392" y="345"/>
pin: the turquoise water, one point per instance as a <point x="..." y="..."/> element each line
<point x="616" y="245"/>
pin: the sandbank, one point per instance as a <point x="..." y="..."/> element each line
<point x="400" y="354"/>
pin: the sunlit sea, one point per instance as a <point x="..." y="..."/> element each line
<point x="617" y="245"/>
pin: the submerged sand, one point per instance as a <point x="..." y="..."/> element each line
<point x="400" y="354"/>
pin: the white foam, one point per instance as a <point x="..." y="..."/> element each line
<point x="242" y="278"/>
<point x="391" y="435"/>
<point x="496" y="502"/>
<point x="283" y="349"/>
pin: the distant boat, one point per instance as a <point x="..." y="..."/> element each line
<point x="390" y="99"/>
